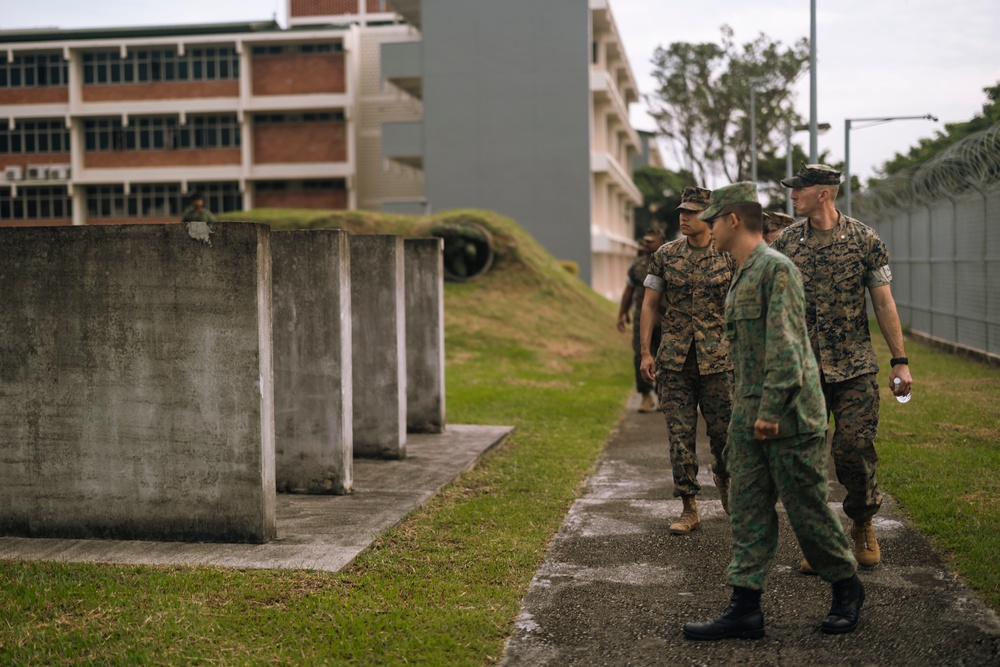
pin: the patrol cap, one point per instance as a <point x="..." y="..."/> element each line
<point x="775" y="221"/>
<point x="744" y="192"/>
<point x="813" y="174"/>
<point x="652" y="236"/>
<point x="694" y="199"/>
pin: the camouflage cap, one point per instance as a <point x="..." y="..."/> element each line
<point x="813" y="174"/>
<point x="737" y="193"/>
<point x="775" y="221"/>
<point x="694" y="199"/>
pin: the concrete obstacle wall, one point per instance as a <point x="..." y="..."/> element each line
<point x="312" y="361"/>
<point x="379" y="339"/>
<point x="425" y="395"/>
<point x="136" y="395"/>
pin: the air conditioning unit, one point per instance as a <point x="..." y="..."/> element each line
<point x="59" y="172"/>
<point x="13" y="173"/>
<point x="36" y="173"/>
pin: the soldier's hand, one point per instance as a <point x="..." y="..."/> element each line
<point x="648" y="368"/>
<point x="623" y="319"/>
<point x="763" y="429"/>
<point x="901" y="371"/>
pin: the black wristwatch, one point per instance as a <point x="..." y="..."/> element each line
<point x="895" y="361"/>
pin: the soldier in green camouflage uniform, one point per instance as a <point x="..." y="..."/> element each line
<point x="692" y="367"/>
<point x="839" y="258"/>
<point x="632" y="298"/>
<point x="774" y="222"/>
<point x="197" y="211"/>
<point x="776" y="446"/>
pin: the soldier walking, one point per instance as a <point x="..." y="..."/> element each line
<point x="692" y="368"/>
<point x="776" y="446"/>
<point x="839" y="258"/>
<point x="632" y="298"/>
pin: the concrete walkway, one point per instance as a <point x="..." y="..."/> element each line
<point x="314" y="532"/>
<point x="615" y="587"/>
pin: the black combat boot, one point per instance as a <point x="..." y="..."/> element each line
<point x="742" y="619"/>
<point x="845" y="612"/>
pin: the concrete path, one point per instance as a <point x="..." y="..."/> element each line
<point x="314" y="532"/>
<point x="615" y="587"/>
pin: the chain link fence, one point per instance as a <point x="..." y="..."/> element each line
<point x="941" y="223"/>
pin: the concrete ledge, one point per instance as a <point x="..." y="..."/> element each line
<point x="314" y="532"/>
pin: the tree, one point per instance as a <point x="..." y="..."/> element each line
<point x="702" y="101"/>
<point x="661" y="193"/>
<point x="926" y="149"/>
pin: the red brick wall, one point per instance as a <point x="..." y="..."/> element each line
<point x="24" y="159"/>
<point x="299" y="74"/>
<point x="160" y="158"/>
<point x="300" y="142"/>
<point x="45" y="95"/>
<point x="160" y="91"/>
<point x="322" y="7"/>
<point x="329" y="200"/>
<point x="59" y="222"/>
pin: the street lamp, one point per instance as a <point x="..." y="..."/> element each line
<point x="821" y="129"/>
<point x="847" y="145"/>
<point x="754" y="81"/>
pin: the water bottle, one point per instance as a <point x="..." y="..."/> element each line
<point x="902" y="399"/>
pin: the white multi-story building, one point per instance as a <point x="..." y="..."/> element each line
<point x="521" y="107"/>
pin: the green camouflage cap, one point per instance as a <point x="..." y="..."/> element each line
<point x="694" y="199"/>
<point x="813" y="174"/>
<point x="737" y="193"/>
<point x="775" y="221"/>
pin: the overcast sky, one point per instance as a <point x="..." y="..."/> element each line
<point x="875" y="57"/>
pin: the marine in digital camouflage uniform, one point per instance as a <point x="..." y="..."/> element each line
<point x="839" y="257"/>
<point x="632" y="299"/>
<point x="774" y="222"/>
<point x="692" y="367"/>
<point x="776" y="445"/>
<point x="197" y="211"/>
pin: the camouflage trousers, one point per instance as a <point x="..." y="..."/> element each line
<point x="854" y="404"/>
<point x="681" y="393"/>
<point x="641" y="385"/>
<point x="793" y="469"/>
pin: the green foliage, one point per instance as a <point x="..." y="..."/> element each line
<point x="527" y="344"/>
<point x="926" y="149"/>
<point x="702" y="100"/>
<point x="661" y="193"/>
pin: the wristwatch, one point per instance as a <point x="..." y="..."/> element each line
<point x="895" y="361"/>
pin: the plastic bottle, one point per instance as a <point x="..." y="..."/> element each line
<point x="902" y="399"/>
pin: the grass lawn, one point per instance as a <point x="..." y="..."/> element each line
<point x="939" y="455"/>
<point x="526" y="345"/>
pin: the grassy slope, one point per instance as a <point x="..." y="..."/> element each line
<point x="526" y="345"/>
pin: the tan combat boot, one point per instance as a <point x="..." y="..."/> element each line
<point x="648" y="403"/>
<point x="723" y="486"/>
<point x="805" y="567"/>
<point x="688" y="520"/>
<point x="866" y="549"/>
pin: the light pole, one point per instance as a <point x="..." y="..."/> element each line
<point x="847" y="145"/>
<point x="821" y="129"/>
<point x="754" y="81"/>
<point x="813" y="143"/>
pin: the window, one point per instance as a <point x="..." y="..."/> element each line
<point x="159" y="65"/>
<point x="34" y="136"/>
<point x="219" y="197"/>
<point x="149" y="133"/>
<point x="146" y="200"/>
<point x="43" y="203"/>
<point x="33" y="70"/>
<point x="318" y="117"/>
<point x="316" y="185"/>
<point x="294" y="49"/>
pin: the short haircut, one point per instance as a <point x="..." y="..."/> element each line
<point x="751" y="213"/>
<point x="834" y="189"/>
<point x="195" y="196"/>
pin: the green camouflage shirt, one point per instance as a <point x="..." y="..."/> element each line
<point x="204" y="215"/>
<point x="694" y="293"/>
<point x="835" y="275"/>
<point x="636" y="275"/>
<point x="774" y="371"/>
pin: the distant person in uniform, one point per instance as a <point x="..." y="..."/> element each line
<point x="839" y="258"/>
<point x="692" y="368"/>
<point x="632" y="299"/>
<point x="777" y="445"/>
<point x="197" y="212"/>
<point x="774" y="222"/>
